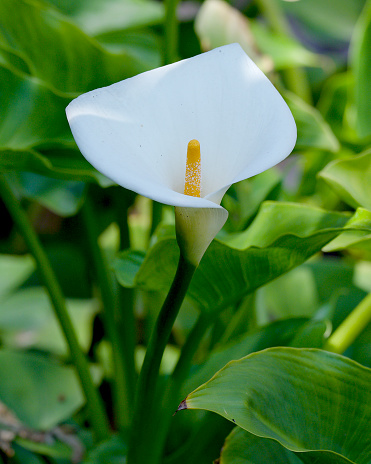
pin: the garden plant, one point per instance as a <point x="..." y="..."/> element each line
<point x="185" y="261"/>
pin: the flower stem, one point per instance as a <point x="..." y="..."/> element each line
<point x="351" y="327"/>
<point x="141" y="433"/>
<point x="123" y="364"/>
<point x="295" y="78"/>
<point x="170" y="396"/>
<point x="97" y="414"/>
<point x="171" y="32"/>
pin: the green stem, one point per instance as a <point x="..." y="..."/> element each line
<point x="141" y="434"/>
<point x="295" y="78"/>
<point x="123" y="364"/>
<point x="126" y="324"/>
<point x="351" y="327"/>
<point x="170" y="397"/>
<point x="171" y="32"/>
<point x="156" y="216"/>
<point x="97" y="415"/>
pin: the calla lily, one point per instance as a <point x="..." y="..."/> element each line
<point x="137" y="131"/>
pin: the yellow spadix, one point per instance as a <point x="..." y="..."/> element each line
<point x="192" y="185"/>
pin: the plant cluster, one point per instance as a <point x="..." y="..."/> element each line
<point x="233" y="328"/>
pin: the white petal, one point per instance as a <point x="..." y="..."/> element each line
<point x="136" y="132"/>
<point x="196" y="228"/>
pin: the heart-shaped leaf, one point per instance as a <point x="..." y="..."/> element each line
<point x="282" y="236"/>
<point x="308" y="400"/>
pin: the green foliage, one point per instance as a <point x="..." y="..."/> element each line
<point x="48" y="393"/>
<point x="239" y="265"/>
<point x="362" y="71"/>
<point x="313" y="131"/>
<point x="290" y="268"/>
<point x="350" y="179"/>
<point x="27" y="314"/>
<point x="242" y="447"/>
<point x="285" y="379"/>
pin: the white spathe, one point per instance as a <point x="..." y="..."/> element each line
<point x="136" y="132"/>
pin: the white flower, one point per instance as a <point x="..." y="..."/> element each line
<point x="136" y="132"/>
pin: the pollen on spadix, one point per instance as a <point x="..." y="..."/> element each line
<point x="192" y="185"/>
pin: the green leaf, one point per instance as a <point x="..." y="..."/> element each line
<point x="285" y="51"/>
<point x="350" y="178"/>
<point x="307" y="400"/>
<point x="56" y="449"/>
<point x="312" y="334"/>
<point x="326" y="18"/>
<point x="62" y="197"/>
<point x="112" y="451"/>
<point x="96" y="16"/>
<point x="242" y="447"/>
<point x="64" y="163"/>
<point x="27" y="320"/>
<point x="244" y="198"/>
<point x="82" y="63"/>
<point x="361" y="61"/>
<point x="313" y="130"/>
<point x="362" y="275"/>
<point x="282" y="236"/>
<point x="39" y="391"/>
<point x="14" y="271"/>
<point x="291" y="295"/>
<point x="144" y="45"/>
<point x="218" y="23"/>
<point x="31" y="114"/>
<point x="356" y="240"/>
<point x="333" y="103"/>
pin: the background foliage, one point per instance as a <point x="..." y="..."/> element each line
<point x="290" y="266"/>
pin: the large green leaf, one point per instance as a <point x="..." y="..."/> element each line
<point x="34" y="133"/>
<point x="242" y="447"/>
<point x="31" y="114"/>
<point x="282" y="236"/>
<point x="307" y="400"/>
<point x="361" y="60"/>
<point x="39" y="391"/>
<point x="350" y="178"/>
<point x="57" y="51"/>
